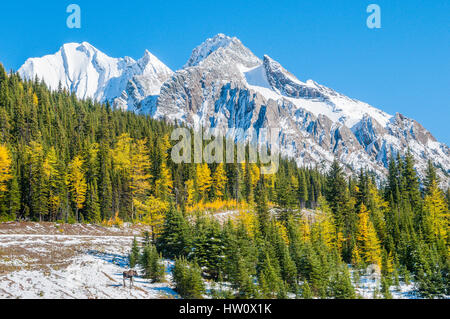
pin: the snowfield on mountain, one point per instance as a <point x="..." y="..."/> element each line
<point x="224" y="85"/>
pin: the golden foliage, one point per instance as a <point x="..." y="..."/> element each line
<point x="121" y="154"/>
<point x="204" y="180"/>
<point x="164" y="185"/>
<point x="35" y="100"/>
<point x="155" y="210"/>
<point x="367" y="238"/>
<point x="305" y="230"/>
<point x="220" y="181"/>
<point x="5" y="168"/>
<point x="77" y="182"/>
<point x="217" y="206"/>
<point x="52" y="176"/>
<point x="356" y="256"/>
<point x="436" y="213"/>
<point x="140" y="165"/>
<point x="283" y="232"/>
<point x="113" y="221"/>
<point x="323" y="228"/>
<point x="249" y="220"/>
<point x="190" y="191"/>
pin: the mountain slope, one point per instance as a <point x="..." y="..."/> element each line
<point x="224" y="85"/>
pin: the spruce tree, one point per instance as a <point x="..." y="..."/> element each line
<point x="175" y="237"/>
<point x="134" y="256"/>
<point x="336" y="193"/>
<point x="188" y="279"/>
<point x="341" y="285"/>
<point x="152" y="264"/>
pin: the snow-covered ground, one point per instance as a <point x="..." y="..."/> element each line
<point x="369" y="287"/>
<point x="72" y="266"/>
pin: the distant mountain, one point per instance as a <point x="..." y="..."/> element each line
<point x="83" y="69"/>
<point x="223" y="85"/>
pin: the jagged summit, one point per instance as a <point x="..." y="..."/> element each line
<point x="210" y="45"/>
<point x="223" y="49"/>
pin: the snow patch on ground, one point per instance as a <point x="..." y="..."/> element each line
<point x="79" y="267"/>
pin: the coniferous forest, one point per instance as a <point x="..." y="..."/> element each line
<point x="302" y="232"/>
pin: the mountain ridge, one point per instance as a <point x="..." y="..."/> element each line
<point x="223" y="85"/>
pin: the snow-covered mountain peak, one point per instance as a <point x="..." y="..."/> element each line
<point x="85" y="70"/>
<point x="222" y="49"/>
<point x="83" y="47"/>
<point x="150" y="64"/>
<point x="210" y="45"/>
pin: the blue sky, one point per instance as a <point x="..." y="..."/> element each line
<point x="403" y="67"/>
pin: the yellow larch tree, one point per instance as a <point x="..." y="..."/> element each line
<point x="254" y="175"/>
<point x="5" y="169"/>
<point x="154" y="211"/>
<point x="305" y="229"/>
<point x="121" y="154"/>
<point x="323" y="227"/>
<point x="436" y="213"/>
<point x="52" y="179"/>
<point x="190" y="192"/>
<point x="164" y="184"/>
<point x="35" y="100"/>
<point x="204" y="180"/>
<point x="220" y="181"/>
<point x="367" y="239"/>
<point x="249" y="220"/>
<point x="164" y="146"/>
<point x="139" y="176"/>
<point x="76" y="183"/>
<point x="283" y="232"/>
<point x="356" y="257"/>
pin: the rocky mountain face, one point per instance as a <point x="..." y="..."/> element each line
<point x="224" y="85"/>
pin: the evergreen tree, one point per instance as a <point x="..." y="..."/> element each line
<point x="262" y="210"/>
<point x="341" y="285"/>
<point x="133" y="258"/>
<point x="303" y="189"/>
<point x="152" y="264"/>
<point x="336" y="192"/>
<point x="175" y="237"/>
<point x="188" y="279"/>
<point x="306" y="291"/>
